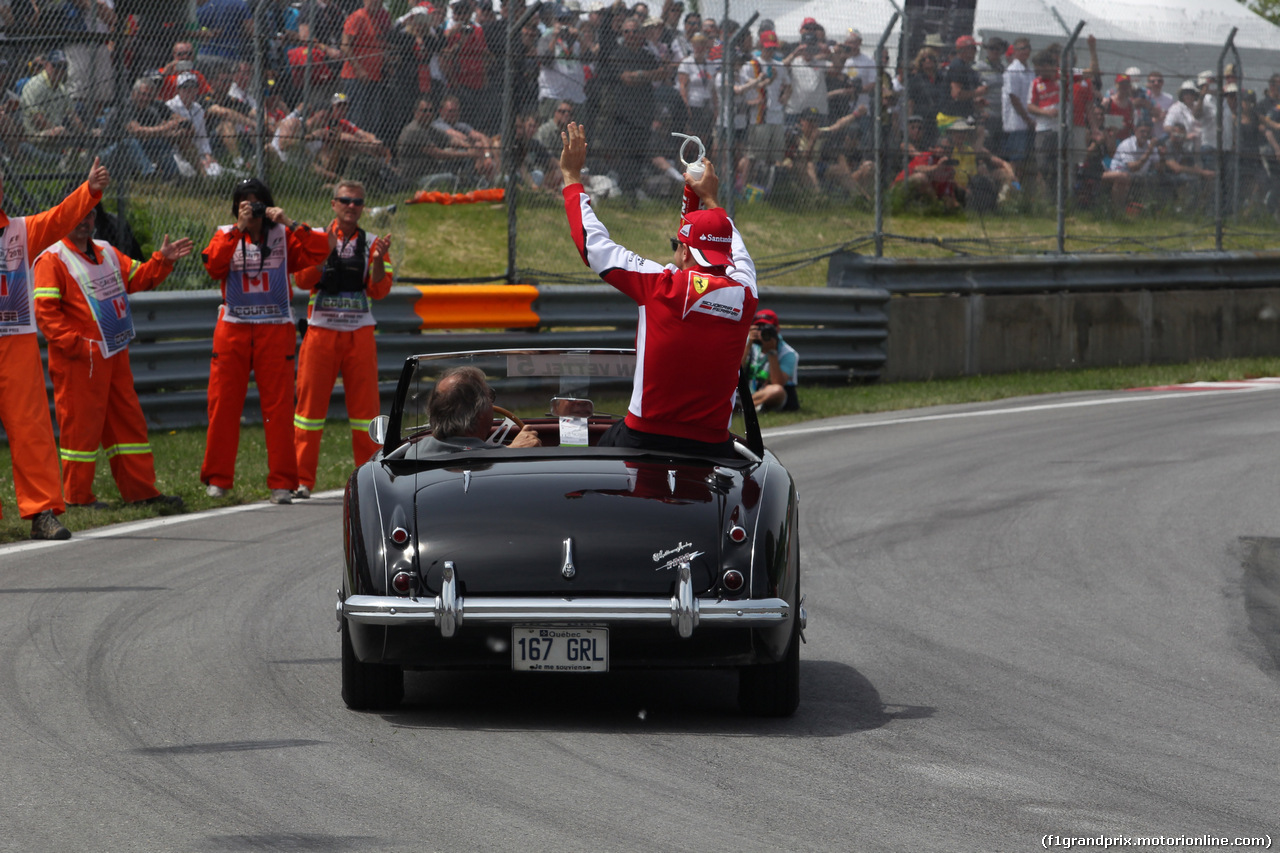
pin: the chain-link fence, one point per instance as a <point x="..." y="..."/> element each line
<point x="822" y="137"/>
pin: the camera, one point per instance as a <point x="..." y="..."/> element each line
<point x="768" y="333"/>
<point x="807" y="39"/>
<point x="257" y="209"/>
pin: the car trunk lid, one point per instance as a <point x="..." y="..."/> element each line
<point x="603" y="528"/>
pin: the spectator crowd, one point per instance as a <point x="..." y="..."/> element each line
<point x="416" y="101"/>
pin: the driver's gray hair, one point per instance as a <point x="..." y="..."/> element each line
<point x="460" y="397"/>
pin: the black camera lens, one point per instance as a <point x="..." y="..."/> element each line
<point x="257" y="209"/>
<point x="768" y="333"/>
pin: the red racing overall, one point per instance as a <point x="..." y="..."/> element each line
<point x="692" y="329"/>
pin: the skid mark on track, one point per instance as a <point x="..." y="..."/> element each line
<point x="1262" y="592"/>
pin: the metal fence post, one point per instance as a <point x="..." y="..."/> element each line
<point x="308" y="46"/>
<point x="1066" y="119"/>
<point x="728" y="105"/>
<point x="910" y="20"/>
<point x="508" y="136"/>
<point x="1218" y="212"/>
<point x="725" y="120"/>
<point x="878" y="134"/>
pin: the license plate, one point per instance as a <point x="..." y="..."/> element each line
<point x="559" y="649"/>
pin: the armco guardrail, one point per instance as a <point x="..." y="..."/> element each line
<point x="840" y="334"/>
<point x="1109" y="273"/>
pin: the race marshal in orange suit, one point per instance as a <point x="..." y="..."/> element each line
<point x="339" y="338"/>
<point x="24" y="403"/>
<point x="253" y="258"/>
<point x="82" y="307"/>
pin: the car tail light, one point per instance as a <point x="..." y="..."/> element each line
<point x="732" y="580"/>
<point x="402" y="582"/>
<point x="736" y="532"/>
<point x="399" y="536"/>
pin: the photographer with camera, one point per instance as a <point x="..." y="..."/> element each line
<point x="771" y="365"/>
<point x="808" y="65"/>
<point x="562" y="73"/>
<point x="255" y="333"/>
<point x="339" y="334"/>
<point x="1135" y="164"/>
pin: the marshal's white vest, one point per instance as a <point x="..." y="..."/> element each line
<point x="104" y="289"/>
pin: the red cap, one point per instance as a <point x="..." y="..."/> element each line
<point x="768" y="38"/>
<point x="709" y="236"/>
<point x="765" y="317"/>
<point x="809" y="22"/>
<point x="966" y="41"/>
<point x="1122" y="78"/>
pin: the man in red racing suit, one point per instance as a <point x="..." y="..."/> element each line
<point x="82" y="306"/>
<point x="695" y="314"/>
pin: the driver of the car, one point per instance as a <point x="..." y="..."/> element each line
<point x="461" y="413"/>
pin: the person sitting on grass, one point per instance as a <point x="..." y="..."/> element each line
<point x="771" y="365"/>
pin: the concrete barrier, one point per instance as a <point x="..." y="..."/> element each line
<point x="934" y="337"/>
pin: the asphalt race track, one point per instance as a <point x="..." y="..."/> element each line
<point x="1057" y="616"/>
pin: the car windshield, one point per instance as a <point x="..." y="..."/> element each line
<point x="526" y="381"/>
<point x="570" y="398"/>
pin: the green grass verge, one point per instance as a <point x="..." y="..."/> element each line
<point x="179" y="452"/>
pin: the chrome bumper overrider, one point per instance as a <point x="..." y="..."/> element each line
<point x="448" y="610"/>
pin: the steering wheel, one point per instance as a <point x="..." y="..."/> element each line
<point x="506" y="413"/>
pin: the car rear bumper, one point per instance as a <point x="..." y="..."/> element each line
<point x="683" y="611"/>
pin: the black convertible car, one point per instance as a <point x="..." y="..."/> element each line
<point x="565" y="558"/>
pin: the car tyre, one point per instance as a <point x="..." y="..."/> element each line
<point x="368" y="686"/>
<point x="772" y="689"/>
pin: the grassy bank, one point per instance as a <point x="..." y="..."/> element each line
<point x="178" y="452"/>
<point x="789" y="243"/>
<point x="470" y="240"/>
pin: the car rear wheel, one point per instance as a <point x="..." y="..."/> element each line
<point x="368" y="686"/>
<point x="772" y="689"/>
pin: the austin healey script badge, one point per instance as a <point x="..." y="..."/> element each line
<point x="675" y="556"/>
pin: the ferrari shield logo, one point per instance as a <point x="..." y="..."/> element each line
<point x="699" y="284"/>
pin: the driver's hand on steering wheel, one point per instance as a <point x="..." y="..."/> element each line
<point x="527" y="437"/>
